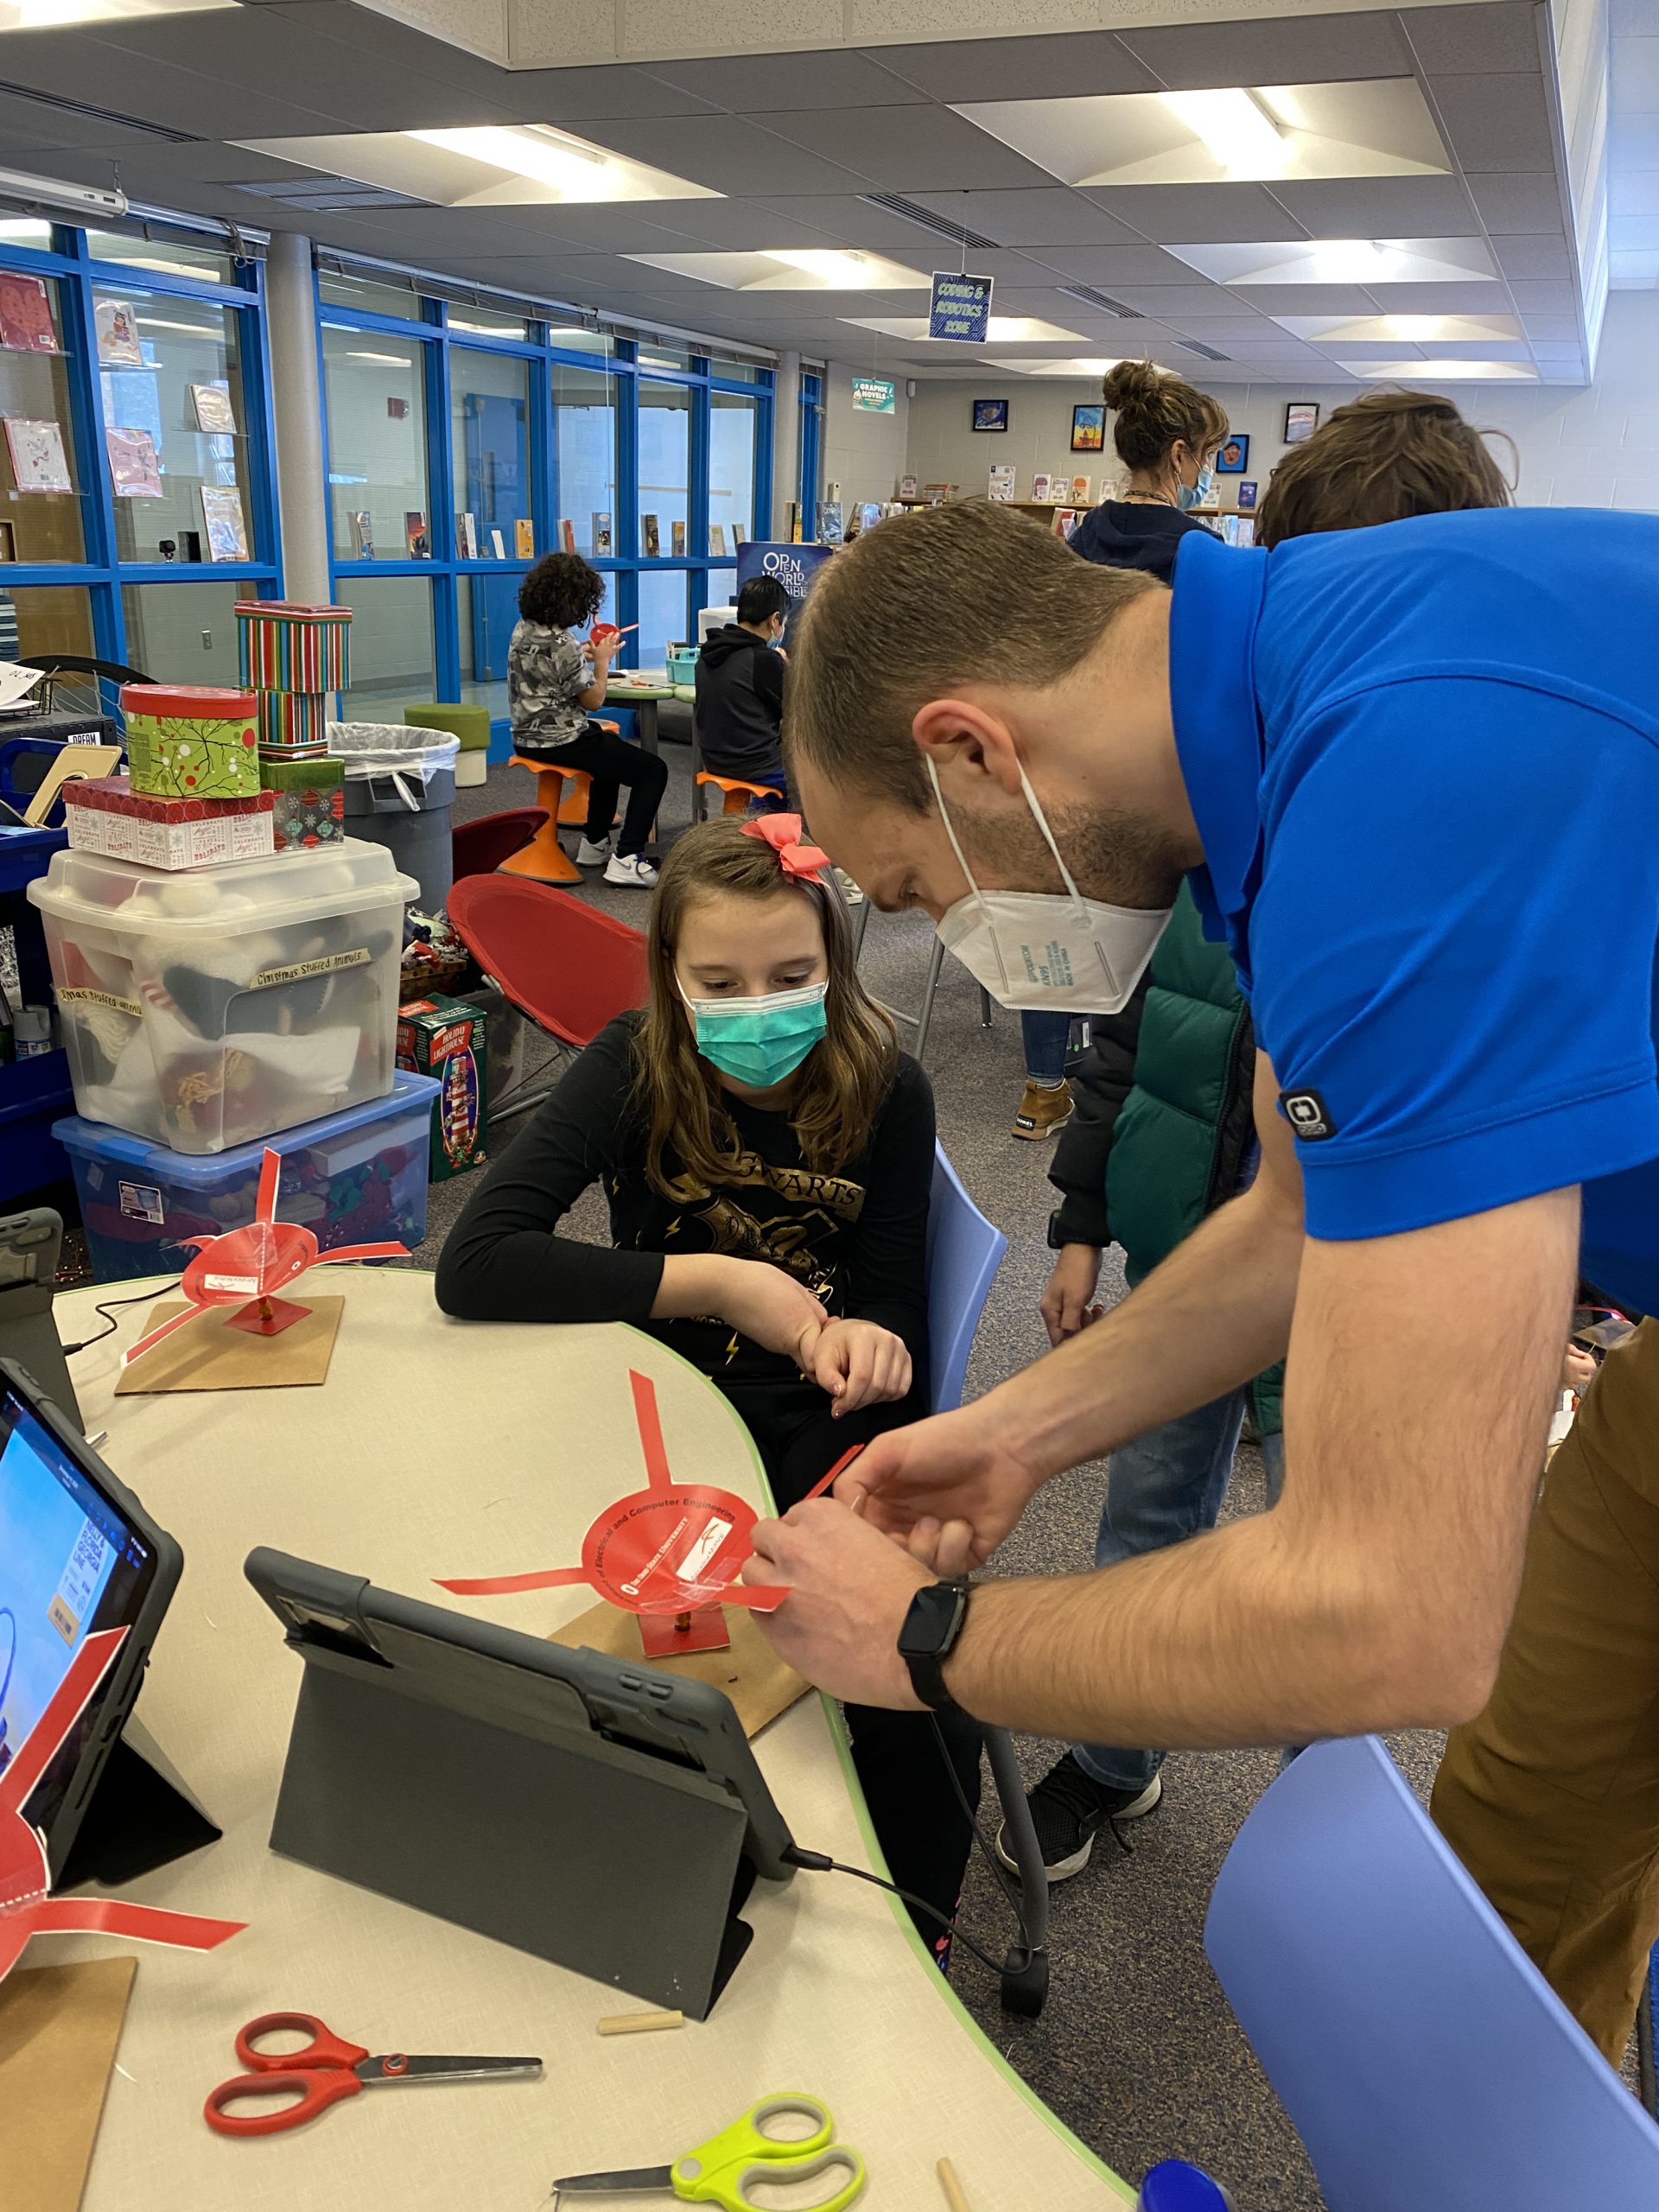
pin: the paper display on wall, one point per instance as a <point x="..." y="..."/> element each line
<point x="117" y="334"/>
<point x="221" y="514"/>
<point x="212" y="405"/>
<point x="38" y="461"/>
<point x="1002" y="481"/>
<point x="26" y="314"/>
<point x="135" y="469"/>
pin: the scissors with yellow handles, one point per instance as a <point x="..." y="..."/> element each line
<point x="787" y="2139"/>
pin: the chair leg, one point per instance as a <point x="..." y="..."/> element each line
<point x="936" y="961"/>
<point x="861" y="922"/>
<point x="984" y="1007"/>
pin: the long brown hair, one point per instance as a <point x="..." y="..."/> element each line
<point x="837" y="1092"/>
<point x="1151" y="410"/>
<point x="1379" y="459"/>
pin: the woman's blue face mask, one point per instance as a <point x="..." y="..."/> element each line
<point x="1194" y="495"/>
<point x="760" y="1041"/>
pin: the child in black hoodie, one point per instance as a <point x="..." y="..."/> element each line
<point x="741" y="689"/>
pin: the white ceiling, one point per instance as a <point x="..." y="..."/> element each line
<point x="795" y="143"/>
<point x="1633" y="146"/>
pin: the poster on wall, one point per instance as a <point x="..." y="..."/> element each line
<point x="117" y="334"/>
<point x="990" y="414"/>
<point x="960" y="308"/>
<point x="1088" y="428"/>
<point x="1234" y="456"/>
<point x="38" y="461"/>
<point x="221" y="515"/>
<point x="135" y="469"/>
<point x="795" y="567"/>
<point x="1302" y="420"/>
<point x="875" y="396"/>
<point x="212" y="405"/>
<point x="26" y="314"/>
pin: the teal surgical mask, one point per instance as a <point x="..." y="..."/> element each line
<point x="1194" y="495"/>
<point x="760" y="1041"/>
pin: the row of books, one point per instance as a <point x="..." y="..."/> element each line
<point x="473" y="544"/>
<point x="1045" y="491"/>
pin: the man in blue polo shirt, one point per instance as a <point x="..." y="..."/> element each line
<point x="1409" y="772"/>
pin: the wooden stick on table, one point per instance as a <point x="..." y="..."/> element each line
<point x="639" y="2024"/>
<point x="951" y="2186"/>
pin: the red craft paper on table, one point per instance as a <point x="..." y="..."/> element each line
<point x="669" y="1548"/>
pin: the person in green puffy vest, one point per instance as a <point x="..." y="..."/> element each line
<point x="1163" y="1130"/>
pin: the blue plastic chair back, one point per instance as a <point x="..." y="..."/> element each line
<point x="1424" y="2060"/>
<point x="963" y="1253"/>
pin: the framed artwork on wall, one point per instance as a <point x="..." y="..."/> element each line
<point x="990" y="414"/>
<point x="1088" y="429"/>
<point x="1235" y="456"/>
<point x="1302" y="420"/>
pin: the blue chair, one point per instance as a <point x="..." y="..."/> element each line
<point x="1424" y="2060"/>
<point x="963" y="1253"/>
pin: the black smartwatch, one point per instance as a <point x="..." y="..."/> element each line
<point x="929" y="1635"/>
<point x="1056" y="1241"/>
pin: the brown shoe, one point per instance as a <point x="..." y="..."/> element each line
<point x="1042" y="1110"/>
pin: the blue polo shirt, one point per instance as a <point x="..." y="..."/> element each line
<point x="1424" y="762"/>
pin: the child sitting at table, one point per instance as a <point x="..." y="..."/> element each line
<point x="555" y="681"/>
<point x="740" y="691"/>
<point x="767" y="1154"/>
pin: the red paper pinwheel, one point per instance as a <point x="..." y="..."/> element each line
<point x="253" y="1263"/>
<point x="668" y="1549"/>
<point x="26" y="1907"/>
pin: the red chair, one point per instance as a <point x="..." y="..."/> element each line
<point x="569" y="967"/>
<point x="479" y="848"/>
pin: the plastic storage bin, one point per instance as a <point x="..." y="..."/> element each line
<point x="683" y="664"/>
<point x="205" y="1009"/>
<point x="357" y="1178"/>
<point x="399" y="784"/>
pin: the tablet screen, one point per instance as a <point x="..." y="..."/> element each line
<point x="69" y="1563"/>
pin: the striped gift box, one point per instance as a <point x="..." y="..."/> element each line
<point x="293" y="720"/>
<point x="283" y="647"/>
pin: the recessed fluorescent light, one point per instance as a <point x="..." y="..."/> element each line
<point x="1238" y="134"/>
<point x="1000" y="330"/>
<point x="533" y="151"/>
<point x="1078" y="365"/>
<point x="482" y="166"/>
<point x="1342" y="261"/>
<point x="1421" y="373"/>
<point x="1402" y="329"/>
<point x="49" y="14"/>
<point x="386" y="361"/>
<point x="809" y="269"/>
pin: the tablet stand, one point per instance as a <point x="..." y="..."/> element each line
<point x="533" y="1828"/>
<point x="140" y="1816"/>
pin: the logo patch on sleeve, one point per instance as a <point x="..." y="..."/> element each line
<point x="1307" y="1114"/>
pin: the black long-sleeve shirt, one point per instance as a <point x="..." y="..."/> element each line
<point x="857" y="1239"/>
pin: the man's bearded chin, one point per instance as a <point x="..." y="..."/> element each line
<point x="1120" y="858"/>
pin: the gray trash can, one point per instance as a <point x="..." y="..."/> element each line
<point x="399" y="784"/>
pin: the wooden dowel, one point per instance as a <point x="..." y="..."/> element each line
<point x="639" y="2024"/>
<point x="951" y="2186"/>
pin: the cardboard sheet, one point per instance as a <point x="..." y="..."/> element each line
<point x="60" y="2027"/>
<point x="752" y="1675"/>
<point x="75" y="764"/>
<point x="211" y="1355"/>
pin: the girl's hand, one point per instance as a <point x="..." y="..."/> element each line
<point x="1065" y="1304"/>
<point x="1579" y="1369"/>
<point x="859" y="1364"/>
<point x="772" y="1309"/>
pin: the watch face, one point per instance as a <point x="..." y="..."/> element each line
<point x="931" y="1623"/>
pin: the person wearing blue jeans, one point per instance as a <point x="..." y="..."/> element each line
<point x="1046" y="1103"/>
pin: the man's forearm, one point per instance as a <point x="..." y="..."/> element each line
<point x="1211" y="1317"/>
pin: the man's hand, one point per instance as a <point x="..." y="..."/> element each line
<point x="1065" y="1304"/>
<point x="948" y="1483"/>
<point x="859" y="1364"/>
<point x="849" y="1590"/>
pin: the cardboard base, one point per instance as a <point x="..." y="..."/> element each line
<point x="59" y="2028"/>
<point x="672" y="1635"/>
<point x="212" y="1354"/>
<point x="758" y="1683"/>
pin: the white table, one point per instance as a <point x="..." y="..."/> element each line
<point x="438" y="1447"/>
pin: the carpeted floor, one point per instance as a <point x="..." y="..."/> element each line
<point x="1137" y="2050"/>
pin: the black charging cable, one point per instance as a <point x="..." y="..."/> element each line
<point x="817" y="1862"/>
<point x="107" y="1309"/>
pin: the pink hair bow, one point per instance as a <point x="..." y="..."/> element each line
<point x="783" y="833"/>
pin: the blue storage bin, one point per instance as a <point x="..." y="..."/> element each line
<point x="359" y="1177"/>
<point x="683" y="664"/>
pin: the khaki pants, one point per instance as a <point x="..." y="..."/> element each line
<point x="1551" y="1796"/>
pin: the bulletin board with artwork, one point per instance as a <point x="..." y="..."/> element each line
<point x="40" y="476"/>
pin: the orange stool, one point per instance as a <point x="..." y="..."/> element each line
<point x="734" y="788"/>
<point x="573" y="808"/>
<point x="544" y="857"/>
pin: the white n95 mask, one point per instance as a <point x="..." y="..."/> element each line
<point x="1037" y="950"/>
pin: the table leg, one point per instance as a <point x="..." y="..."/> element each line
<point x="646" y="711"/>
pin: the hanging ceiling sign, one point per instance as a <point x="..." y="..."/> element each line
<point x="961" y="308"/>
<point x="875" y="395"/>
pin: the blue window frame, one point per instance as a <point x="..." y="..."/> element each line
<point x="557" y="427"/>
<point x="86" y="571"/>
<point x="812" y="442"/>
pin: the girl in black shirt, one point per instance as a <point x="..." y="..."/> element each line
<point x="767" y="1152"/>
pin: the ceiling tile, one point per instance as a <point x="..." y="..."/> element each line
<point x="1475" y="297"/>
<point x="1375" y="208"/>
<point x="1218" y="329"/>
<point x="1172" y="303"/>
<point x="1195" y="215"/>
<point x="738" y="225"/>
<point x="1550" y="294"/>
<point x="726" y="153"/>
<point x="1635" y="80"/>
<point x="762" y="84"/>
<point x="1634" y="195"/>
<point x="1512" y="206"/>
<point x="1020" y="68"/>
<point x="368" y="32"/>
<point x="1305" y="299"/>
<point x="1534" y="255"/>
<point x="79" y="67"/>
<point x="1496" y="123"/>
<point x="1291" y="50"/>
<point x="845" y="220"/>
<point x="1048" y="217"/>
<point x="921" y="148"/>
<point x="32" y="123"/>
<point x="1113" y="265"/>
<point x="1476" y="41"/>
<point x="1541" y="324"/>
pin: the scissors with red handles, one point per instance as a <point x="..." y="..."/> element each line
<point x="322" y="2071"/>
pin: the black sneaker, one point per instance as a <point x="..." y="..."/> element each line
<point x="1067" y="1808"/>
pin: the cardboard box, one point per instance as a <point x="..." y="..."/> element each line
<point x="106" y="814"/>
<point x="290" y="719"/>
<point x="191" y="741"/>
<point x="305" y="818"/>
<point x="287" y="771"/>
<point x="284" y="646"/>
<point x="448" y="1039"/>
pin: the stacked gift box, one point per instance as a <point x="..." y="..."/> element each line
<point x="293" y="656"/>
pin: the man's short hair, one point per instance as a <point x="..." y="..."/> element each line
<point x="967" y="593"/>
<point x="760" y="599"/>
<point x="1381" y="458"/>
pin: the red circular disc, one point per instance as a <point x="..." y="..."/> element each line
<point x="664" y="1551"/>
